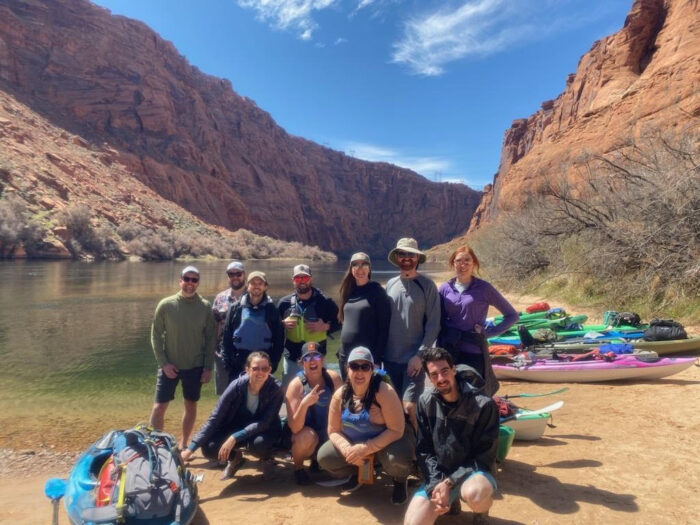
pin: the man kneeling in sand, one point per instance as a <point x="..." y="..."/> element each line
<point x="457" y="442"/>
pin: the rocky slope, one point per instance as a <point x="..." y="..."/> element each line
<point x="642" y="80"/>
<point x="193" y="141"/>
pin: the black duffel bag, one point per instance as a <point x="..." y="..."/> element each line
<point x="664" y="330"/>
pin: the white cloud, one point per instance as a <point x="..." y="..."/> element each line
<point x="474" y="28"/>
<point x="340" y="40"/>
<point x="427" y="166"/>
<point x="295" y="15"/>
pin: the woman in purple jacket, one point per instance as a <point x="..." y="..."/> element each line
<point x="465" y="301"/>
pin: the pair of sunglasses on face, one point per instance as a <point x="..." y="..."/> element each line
<point x="190" y="279"/>
<point x="302" y="279"/>
<point x="405" y="255"/>
<point x="260" y="369"/>
<point x="234" y="274"/>
<point x="365" y="367"/>
<point x="311" y="357"/>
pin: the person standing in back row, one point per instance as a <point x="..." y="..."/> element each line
<point x="307" y="316"/>
<point x="365" y="312"/>
<point x="182" y="337"/>
<point x="415" y="323"/>
<point x="222" y="303"/>
<point x="252" y="325"/>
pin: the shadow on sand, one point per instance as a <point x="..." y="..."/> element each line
<point x="554" y="496"/>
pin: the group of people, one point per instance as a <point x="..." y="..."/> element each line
<point x="376" y="414"/>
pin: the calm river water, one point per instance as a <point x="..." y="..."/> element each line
<point x="76" y="335"/>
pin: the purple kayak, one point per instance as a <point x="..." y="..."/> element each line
<point x="623" y="367"/>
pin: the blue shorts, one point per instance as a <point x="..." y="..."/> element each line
<point x="454" y="491"/>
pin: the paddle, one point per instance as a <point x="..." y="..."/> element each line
<point x="54" y="489"/>
<point x="538" y="395"/>
<point x="550" y="408"/>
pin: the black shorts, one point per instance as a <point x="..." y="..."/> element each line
<point x="191" y="385"/>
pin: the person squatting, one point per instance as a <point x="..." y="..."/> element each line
<point x="377" y="414"/>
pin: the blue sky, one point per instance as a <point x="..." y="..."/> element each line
<point x="428" y="85"/>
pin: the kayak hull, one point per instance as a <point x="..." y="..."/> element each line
<point x="529" y="427"/>
<point x="623" y="368"/>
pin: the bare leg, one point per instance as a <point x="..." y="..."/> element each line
<point x="188" y="418"/>
<point x="477" y="492"/>
<point x="420" y="511"/>
<point x="303" y="445"/>
<point x="410" y="409"/>
<point x="158" y="415"/>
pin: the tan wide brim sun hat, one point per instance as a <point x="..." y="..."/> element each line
<point x="406" y="244"/>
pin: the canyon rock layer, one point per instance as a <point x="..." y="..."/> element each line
<point x="642" y="81"/>
<point x="192" y="140"/>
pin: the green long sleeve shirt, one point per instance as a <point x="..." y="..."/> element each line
<point x="182" y="332"/>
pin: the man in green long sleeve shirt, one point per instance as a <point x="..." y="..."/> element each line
<point x="183" y="341"/>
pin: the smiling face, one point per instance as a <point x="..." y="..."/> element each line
<point x="236" y="279"/>
<point x="258" y="371"/>
<point x="313" y="364"/>
<point x="360" y="373"/>
<point x="443" y="377"/>
<point x="302" y="284"/>
<point x="463" y="266"/>
<point x="189" y="284"/>
<point x="361" y="272"/>
<point x="406" y="261"/>
<point x="256" y="288"/>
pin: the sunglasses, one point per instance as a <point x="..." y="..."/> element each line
<point x="311" y="357"/>
<point x="302" y="279"/>
<point x="190" y="279"/>
<point x="259" y="368"/>
<point x="360" y="264"/>
<point x="365" y="367"/>
<point x="405" y="255"/>
<point x="234" y="274"/>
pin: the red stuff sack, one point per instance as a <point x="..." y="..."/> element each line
<point x="537" y="307"/>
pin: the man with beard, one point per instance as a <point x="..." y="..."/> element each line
<point x="182" y="337"/>
<point x="252" y="325"/>
<point x="415" y="323"/>
<point x="307" y="316"/>
<point x="457" y="442"/>
<point x="222" y="303"/>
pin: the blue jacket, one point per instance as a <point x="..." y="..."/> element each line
<point x="223" y="415"/>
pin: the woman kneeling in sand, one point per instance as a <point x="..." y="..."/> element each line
<point x="366" y="419"/>
<point x="308" y="399"/>
<point x="247" y="415"/>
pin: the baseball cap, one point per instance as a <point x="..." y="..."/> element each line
<point x="360" y="353"/>
<point x="360" y="256"/>
<point x="235" y="265"/>
<point x="301" y="269"/>
<point x="189" y="269"/>
<point x="253" y="275"/>
<point x="310" y="348"/>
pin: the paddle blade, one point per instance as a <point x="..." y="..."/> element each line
<point x="55" y="488"/>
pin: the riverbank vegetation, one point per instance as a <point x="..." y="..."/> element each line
<point x="625" y="234"/>
<point x="76" y="233"/>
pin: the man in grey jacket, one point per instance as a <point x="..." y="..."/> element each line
<point x="457" y="442"/>
<point x="415" y="323"/>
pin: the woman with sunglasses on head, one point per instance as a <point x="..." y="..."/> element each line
<point x="246" y="416"/>
<point x="307" y="399"/>
<point x="365" y="311"/>
<point x="365" y="420"/>
<point x="465" y="300"/>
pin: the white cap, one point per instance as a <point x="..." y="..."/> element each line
<point x="189" y="269"/>
<point x="235" y="265"/>
<point x="301" y="269"/>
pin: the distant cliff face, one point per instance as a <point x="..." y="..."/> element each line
<point x="643" y="79"/>
<point x="194" y="141"/>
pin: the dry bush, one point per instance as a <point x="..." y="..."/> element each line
<point x="17" y="229"/>
<point x="629" y="226"/>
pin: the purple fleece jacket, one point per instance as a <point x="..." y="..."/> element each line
<point x="470" y="307"/>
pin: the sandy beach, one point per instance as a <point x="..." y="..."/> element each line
<point x="620" y="452"/>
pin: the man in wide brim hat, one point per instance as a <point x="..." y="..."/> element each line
<point x="409" y="245"/>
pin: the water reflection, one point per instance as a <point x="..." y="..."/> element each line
<point x="75" y="328"/>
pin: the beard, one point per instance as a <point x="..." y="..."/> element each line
<point x="445" y="389"/>
<point x="238" y="285"/>
<point x="303" y="288"/>
<point x="407" y="264"/>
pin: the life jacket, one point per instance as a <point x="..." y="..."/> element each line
<point x="299" y="334"/>
<point x="253" y="333"/>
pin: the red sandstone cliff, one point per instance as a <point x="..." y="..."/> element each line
<point x="643" y="79"/>
<point x="192" y="140"/>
